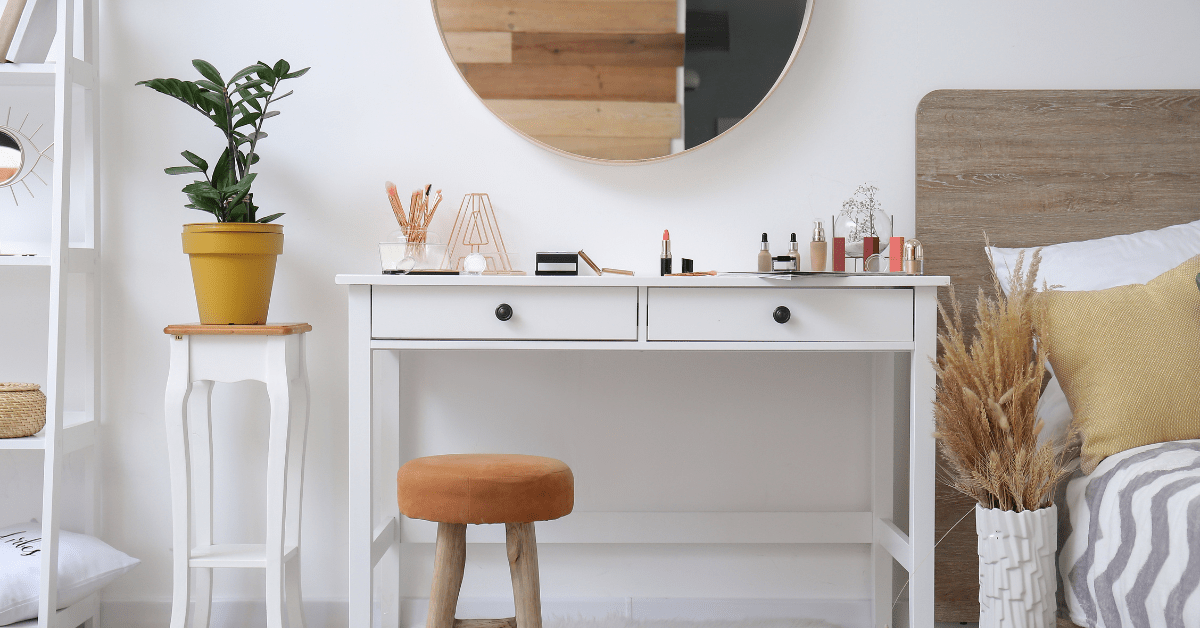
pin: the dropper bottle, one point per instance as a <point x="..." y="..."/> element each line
<point x="764" y="256"/>
<point x="794" y="253"/>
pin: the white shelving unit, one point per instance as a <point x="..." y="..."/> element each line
<point x="74" y="206"/>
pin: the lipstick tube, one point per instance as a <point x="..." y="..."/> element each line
<point x="664" y="262"/>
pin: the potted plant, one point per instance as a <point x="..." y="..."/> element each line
<point x="988" y="388"/>
<point x="232" y="259"/>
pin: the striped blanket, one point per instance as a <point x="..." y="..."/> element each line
<point x="1131" y="555"/>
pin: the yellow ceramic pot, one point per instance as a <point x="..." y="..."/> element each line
<point x="233" y="269"/>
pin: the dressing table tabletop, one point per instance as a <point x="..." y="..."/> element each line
<point x="891" y="316"/>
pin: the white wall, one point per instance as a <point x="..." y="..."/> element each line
<point x="383" y="102"/>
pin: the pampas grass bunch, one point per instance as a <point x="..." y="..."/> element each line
<point x="987" y="396"/>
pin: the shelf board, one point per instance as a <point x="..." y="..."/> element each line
<point x="82" y="73"/>
<point x="24" y="260"/>
<point x="78" y="432"/>
<point x="27" y="73"/>
<point x="82" y="260"/>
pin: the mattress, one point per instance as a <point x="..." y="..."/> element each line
<point x="1131" y="554"/>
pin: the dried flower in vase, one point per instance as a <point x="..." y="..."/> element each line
<point x="862" y="216"/>
<point x="987" y="397"/>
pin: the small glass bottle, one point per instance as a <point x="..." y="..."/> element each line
<point x="764" y="256"/>
<point x="794" y="253"/>
<point x="818" y="249"/>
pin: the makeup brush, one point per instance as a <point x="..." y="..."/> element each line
<point x="397" y="207"/>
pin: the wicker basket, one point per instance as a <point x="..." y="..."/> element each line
<point x="22" y="410"/>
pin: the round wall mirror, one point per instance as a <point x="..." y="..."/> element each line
<point x="622" y="80"/>
<point x="12" y="157"/>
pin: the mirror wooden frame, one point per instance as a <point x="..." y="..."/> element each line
<point x="804" y="23"/>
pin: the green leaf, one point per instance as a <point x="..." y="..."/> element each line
<point x="238" y="213"/>
<point x="195" y="160"/>
<point x="209" y="85"/>
<point x="182" y="170"/>
<point x="203" y="209"/>
<point x="270" y="218"/>
<point x="266" y="73"/>
<point x="215" y="98"/>
<point x="244" y="72"/>
<point x="243" y="186"/>
<point x="223" y="176"/>
<point x="182" y="91"/>
<point x="281" y="67"/>
<point x="297" y="73"/>
<point x="248" y="96"/>
<point x="202" y="189"/>
<point x="270" y="114"/>
<point x="207" y="70"/>
<point x="257" y="136"/>
<point x="279" y="98"/>
<point x="245" y="120"/>
<point x="251" y="84"/>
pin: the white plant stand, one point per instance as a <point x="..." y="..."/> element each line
<point x="200" y="356"/>
<point x="75" y="201"/>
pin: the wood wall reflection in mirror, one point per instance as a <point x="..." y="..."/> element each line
<point x="605" y="79"/>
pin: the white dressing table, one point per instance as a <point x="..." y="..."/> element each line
<point x="888" y="316"/>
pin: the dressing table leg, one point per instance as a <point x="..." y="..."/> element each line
<point x="922" y="456"/>
<point x="886" y="383"/>
<point x="361" y="570"/>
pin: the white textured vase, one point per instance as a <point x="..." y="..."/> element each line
<point x="1016" y="567"/>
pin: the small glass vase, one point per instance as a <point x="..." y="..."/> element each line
<point x="405" y="251"/>
<point x="854" y="225"/>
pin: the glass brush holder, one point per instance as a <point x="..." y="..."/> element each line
<point x="406" y="250"/>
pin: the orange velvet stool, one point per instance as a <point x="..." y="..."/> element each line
<point x="460" y="489"/>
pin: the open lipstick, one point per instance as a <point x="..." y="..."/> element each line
<point x="664" y="262"/>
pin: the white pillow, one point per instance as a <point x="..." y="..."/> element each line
<point x="1107" y="262"/>
<point x="85" y="565"/>
<point x="1097" y="265"/>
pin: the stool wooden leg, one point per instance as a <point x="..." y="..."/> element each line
<point x="449" y="560"/>
<point x="523" y="564"/>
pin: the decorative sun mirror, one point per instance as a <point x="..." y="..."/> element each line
<point x="11" y="158"/>
<point x="622" y="80"/>
<point x="15" y="146"/>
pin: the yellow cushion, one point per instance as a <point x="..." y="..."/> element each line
<point x="1128" y="359"/>
<point x="485" y="488"/>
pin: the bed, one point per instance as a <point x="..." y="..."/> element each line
<point x="1035" y="168"/>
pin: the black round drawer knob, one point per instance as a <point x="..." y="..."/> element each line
<point x="504" y="311"/>
<point x="782" y="314"/>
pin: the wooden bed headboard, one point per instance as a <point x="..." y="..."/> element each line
<point x="1033" y="168"/>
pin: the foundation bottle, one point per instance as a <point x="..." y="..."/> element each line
<point x="764" y="256"/>
<point x="818" y="248"/>
<point x="794" y="253"/>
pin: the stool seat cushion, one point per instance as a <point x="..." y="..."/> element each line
<point x="485" y="488"/>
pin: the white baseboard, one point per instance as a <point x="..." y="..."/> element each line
<point x="333" y="613"/>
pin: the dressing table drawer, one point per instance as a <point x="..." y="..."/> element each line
<point x="780" y="314"/>
<point x="504" y="313"/>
